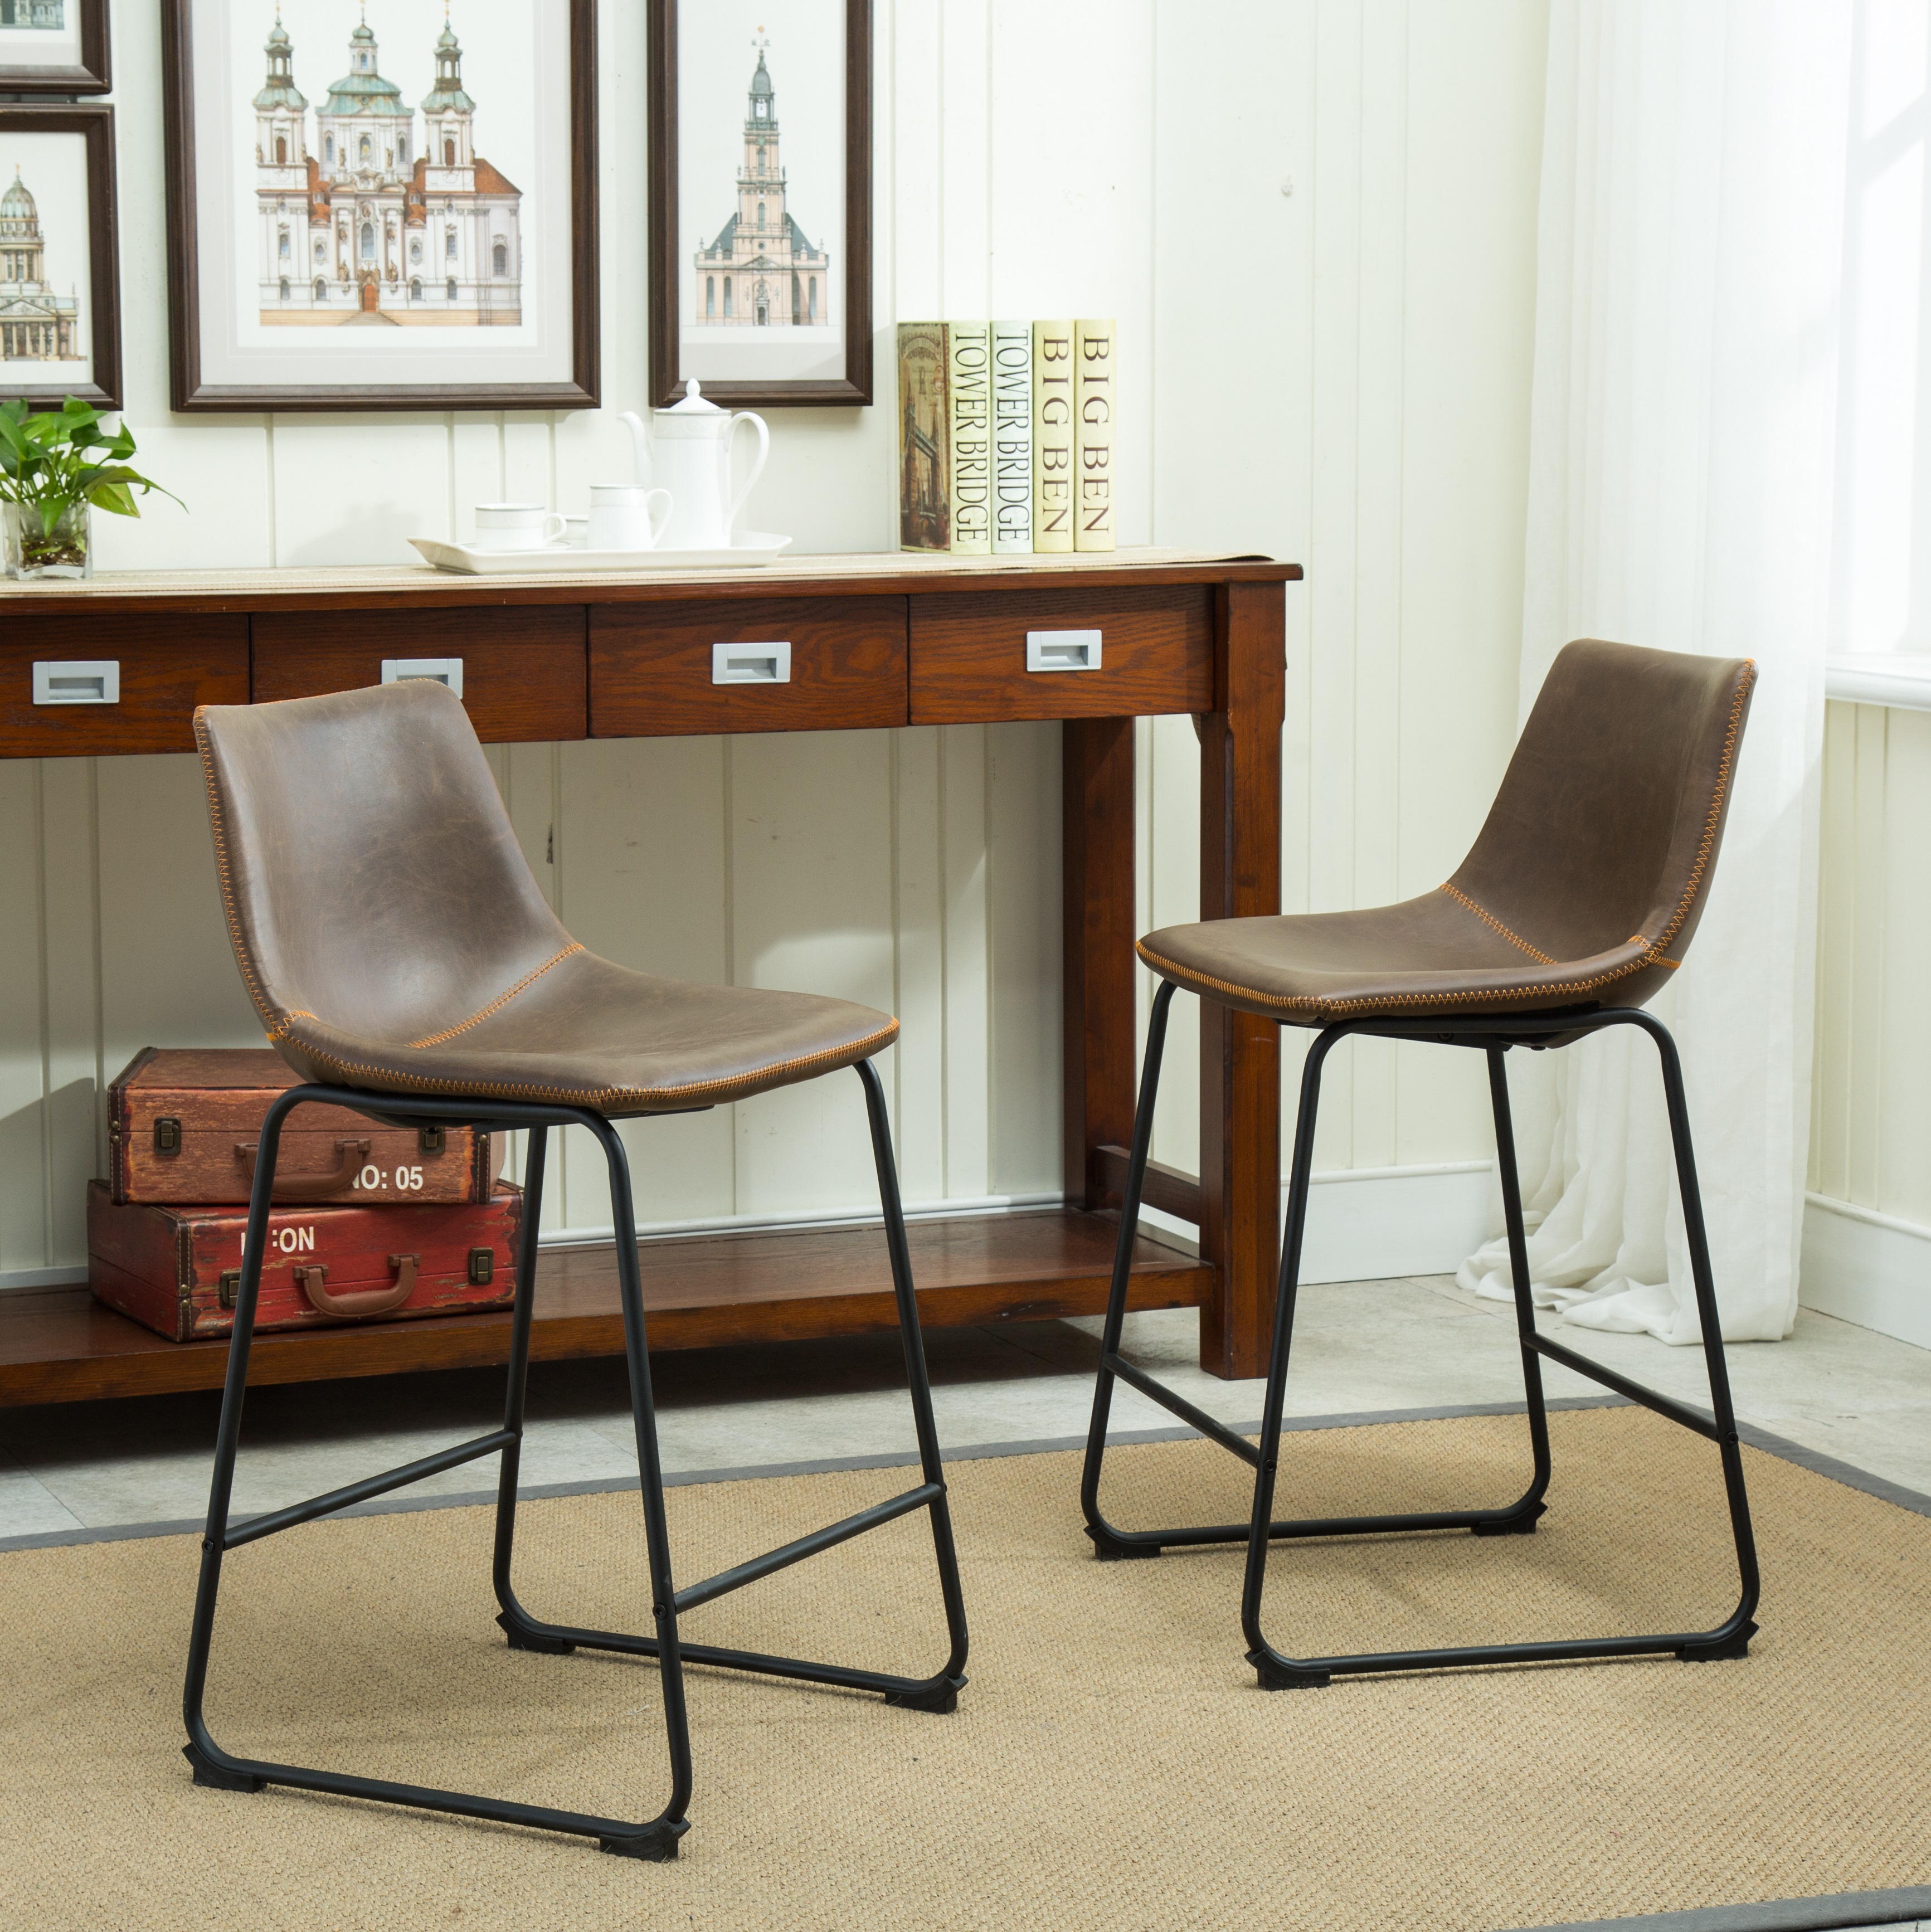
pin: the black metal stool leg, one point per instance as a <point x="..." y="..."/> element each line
<point x="1278" y="1673"/>
<point x="658" y="1839"/>
<point x="212" y="1764"/>
<point x="516" y="1622"/>
<point x="942" y="1693"/>
<point x="1110" y="1544"/>
<point x="1521" y="1521"/>
<point x="1732" y="1639"/>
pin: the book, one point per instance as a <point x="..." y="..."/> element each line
<point x="1093" y="363"/>
<point x="924" y="438"/>
<point x="1052" y="435"/>
<point x="969" y="377"/>
<point x="1012" y="436"/>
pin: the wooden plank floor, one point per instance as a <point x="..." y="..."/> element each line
<point x="59" y="1345"/>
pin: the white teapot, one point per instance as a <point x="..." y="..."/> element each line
<point x="689" y="454"/>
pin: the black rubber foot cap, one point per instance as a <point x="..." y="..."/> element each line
<point x="1273" y="1677"/>
<point x="1732" y="1648"/>
<point x="210" y="1774"/>
<point x="1111" y="1549"/>
<point x="521" y="1639"/>
<point x="656" y="1844"/>
<point x="1515" y="1525"/>
<point x="941" y="1698"/>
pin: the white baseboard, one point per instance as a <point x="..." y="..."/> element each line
<point x="1867" y="1267"/>
<point x="1371" y="1224"/>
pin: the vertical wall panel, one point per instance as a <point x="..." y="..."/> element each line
<point x="24" y="1244"/>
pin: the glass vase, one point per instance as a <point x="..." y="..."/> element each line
<point x="32" y="550"/>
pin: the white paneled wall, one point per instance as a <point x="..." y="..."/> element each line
<point x="1315" y="221"/>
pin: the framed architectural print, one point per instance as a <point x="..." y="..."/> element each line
<point x="760" y="200"/>
<point x="60" y="308"/>
<point x="53" y="46"/>
<point x="381" y="204"/>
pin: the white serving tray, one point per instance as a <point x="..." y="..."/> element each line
<point x="565" y="560"/>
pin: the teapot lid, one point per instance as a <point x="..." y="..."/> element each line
<point x="695" y="403"/>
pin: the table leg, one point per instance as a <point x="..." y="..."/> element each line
<point x="1239" y="1055"/>
<point x="1097" y="833"/>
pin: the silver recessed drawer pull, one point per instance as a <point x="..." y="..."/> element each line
<point x="750" y="664"/>
<point x="1063" y="650"/>
<point x="90" y="682"/>
<point x="436" y="671"/>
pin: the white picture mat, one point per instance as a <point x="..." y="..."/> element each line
<point x="716" y="58"/>
<point x="43" y="46"/>
<point x="515" y="67"/>
<point x="53" y="169"/>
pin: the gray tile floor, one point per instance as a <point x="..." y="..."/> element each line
<point x="1361" y="1347"/>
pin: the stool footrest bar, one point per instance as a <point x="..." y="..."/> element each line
<point x="257" y="1527"/>
<point x="562" y="1638"/>
<point x="726" y="1581"/>
<point x="1675" y="1412"/>
<point x="1692" y="1646"/>
<point x="229" y="1772"/>
<point x="1178" y="1405"/>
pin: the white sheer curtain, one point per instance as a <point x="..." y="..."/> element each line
<point x="1680" y="472"/>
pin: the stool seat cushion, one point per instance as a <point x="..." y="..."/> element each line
<point x="1435" y="954"/>
<point x="393" y="937"/>
<point x="1583" y="889"/>
<point x="585" y="1032"/>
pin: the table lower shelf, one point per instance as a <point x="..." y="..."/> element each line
<point x="59" y="1345"/>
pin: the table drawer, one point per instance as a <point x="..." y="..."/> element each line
<point x="523" y="677"/>
<point x="162" y="667"/>
<point x="969" y="654"/>
<point x="802" y="664"/>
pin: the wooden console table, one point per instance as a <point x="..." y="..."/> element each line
<point x="874" y="641"/>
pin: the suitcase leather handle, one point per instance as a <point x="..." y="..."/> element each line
<point x="311" y="1277"/>
<point x="349" y="1155"/>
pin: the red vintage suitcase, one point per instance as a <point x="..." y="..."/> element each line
<point x="182" y="1125"/>
<point x="176" y="1270"/>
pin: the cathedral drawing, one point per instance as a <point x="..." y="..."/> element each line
<point x="36" y="324"/>
<point x="761" y="271"/>
<point x="33" y="14"/>
<point x="376" y="227"/>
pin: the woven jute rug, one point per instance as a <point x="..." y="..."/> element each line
<point x="1112" y="1763"/>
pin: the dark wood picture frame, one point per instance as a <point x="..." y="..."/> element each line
<point x="665" y="246"/>
<point x="93" y="76"/>
<point x="93" y="121"/>
<point x="191" y="393"/>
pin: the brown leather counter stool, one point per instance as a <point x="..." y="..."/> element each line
<point x="1576" y="904"/>
<point x="403" y="960"/>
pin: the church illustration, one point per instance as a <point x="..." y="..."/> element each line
<point x="36" y="324"/>
<point x="761" y="271"/>
<point x="377" y="227"/>
<point x="33" y="14"/>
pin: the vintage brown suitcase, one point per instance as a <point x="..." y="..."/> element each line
<point x="176" y="1270"/>
<point x="182" y="1124"/>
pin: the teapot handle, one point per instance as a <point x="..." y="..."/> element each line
<point x="756" y="469"/>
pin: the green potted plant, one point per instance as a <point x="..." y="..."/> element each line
<point x="54" y="467"/>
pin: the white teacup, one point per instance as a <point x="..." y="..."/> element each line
<point x="575" y="532"/>
<point x="515" y="526"/>
<point x="624" y="516"/>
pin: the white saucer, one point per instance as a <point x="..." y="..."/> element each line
<point x="565" y="560"/>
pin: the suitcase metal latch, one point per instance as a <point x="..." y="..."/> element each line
<point x="229" y="1288"/>
<point x="167" y="1134"/>
<point x="429" y="1140"/>
<point x="482" y="1267"/>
